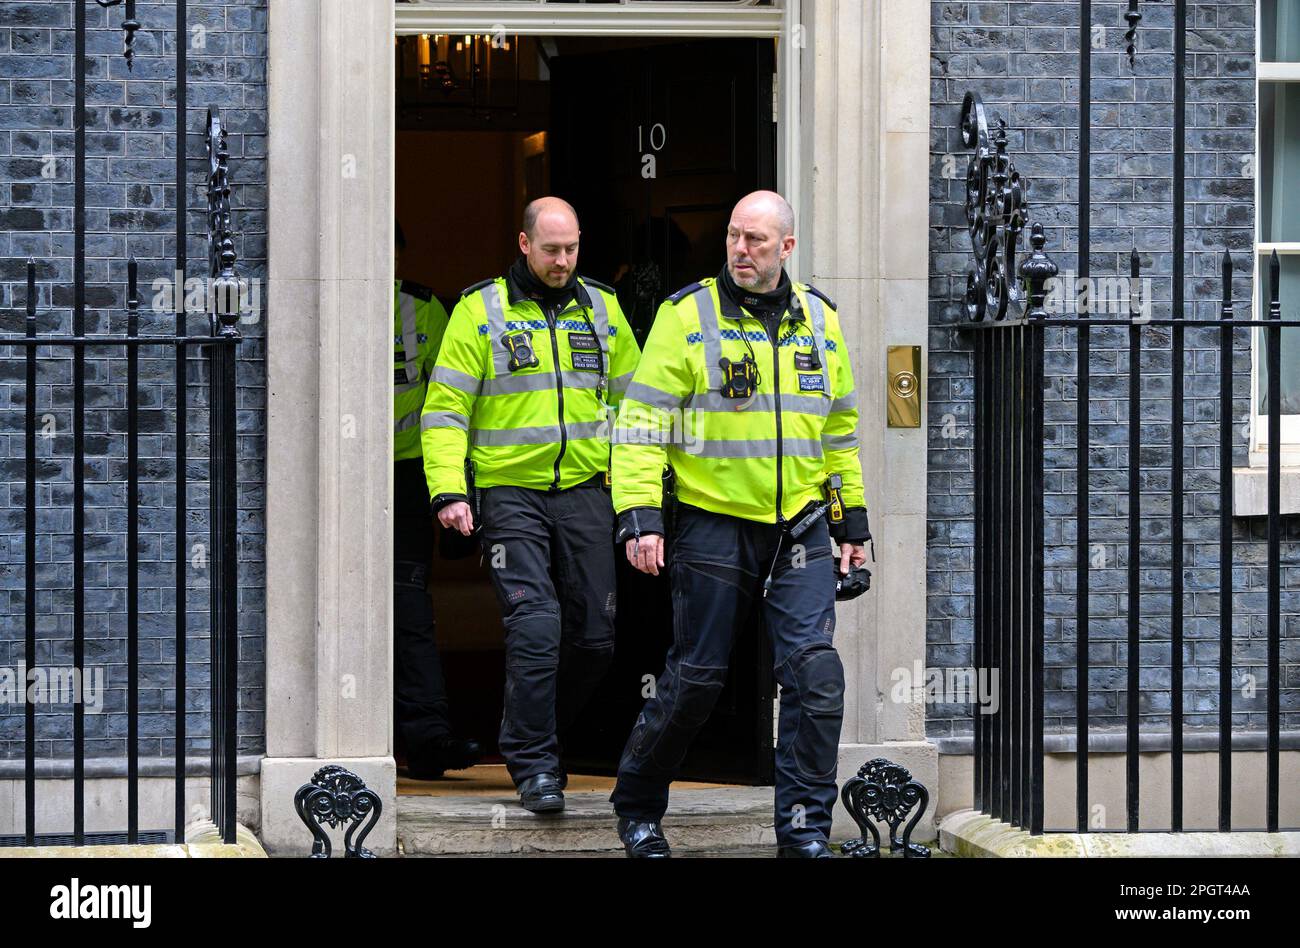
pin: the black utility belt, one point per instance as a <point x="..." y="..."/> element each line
<point x="596" y="480"/>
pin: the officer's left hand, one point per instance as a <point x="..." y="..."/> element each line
<point x="646" y="554"/>
<point x="856" y="553"/>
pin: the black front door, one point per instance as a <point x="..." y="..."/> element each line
<point x="653" y="146"/>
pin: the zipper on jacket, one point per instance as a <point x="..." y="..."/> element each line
<point x="776" y="381"/>
<point x="559" y="393"/>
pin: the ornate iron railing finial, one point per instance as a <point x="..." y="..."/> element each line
<point x="221" y="244"/>
<point x="1134" y="17"/>
<point x="996" y="213"/>
<point x="130" y="25"/>
<point x="884" y="791"/>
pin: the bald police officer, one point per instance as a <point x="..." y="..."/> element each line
<point x="753" y="367"/>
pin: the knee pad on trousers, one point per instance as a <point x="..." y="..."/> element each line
<point x="820" y="679"/>
<point x="684" y="702"/>
<point x="533" y="638"/>
<point x="697" y="692"/>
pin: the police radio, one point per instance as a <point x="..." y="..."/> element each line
<point x="739" y="379"/>
<point x="520" y="347"/>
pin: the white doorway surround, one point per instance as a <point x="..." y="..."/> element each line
<point x="853" y="127"/>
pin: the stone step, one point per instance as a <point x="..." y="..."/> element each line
<point x="714" y="821"/>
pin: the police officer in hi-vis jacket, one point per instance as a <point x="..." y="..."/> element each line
<point x="531" y="367"/>
<point x="769" y="508"/>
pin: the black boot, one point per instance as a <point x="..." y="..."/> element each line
<point x="541" y="793"/>
<point x="817" y="849"/>
<point x="643" y="840"/>
<point x="448" y="753"/>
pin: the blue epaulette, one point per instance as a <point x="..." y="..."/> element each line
<point x="596" y="283"/>
<point x="685" y="292"/>
<point x="820" y="295"/>
<point x="418" y="290"/>
<point x="477" y="286"/>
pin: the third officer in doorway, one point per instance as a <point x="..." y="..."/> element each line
<point x="421" y="712"/>
<point x="753" y="367"/>
<point x="530" y="368"/>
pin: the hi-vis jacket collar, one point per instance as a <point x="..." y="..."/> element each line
<point x="731" y="308"/>
<point x="517" y="294"/>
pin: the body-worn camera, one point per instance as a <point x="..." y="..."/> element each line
<point x="520" y="347"/>
<point x="739" y="379"/>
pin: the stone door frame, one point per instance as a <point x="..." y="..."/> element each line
<point x="854" y="79"/>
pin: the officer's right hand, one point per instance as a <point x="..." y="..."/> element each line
<point x="457" y="516"/>
<point x="646" y="554"/>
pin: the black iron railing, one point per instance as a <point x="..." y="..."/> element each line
<point x="1009" y="497"/>
<point x="218" y="348"/>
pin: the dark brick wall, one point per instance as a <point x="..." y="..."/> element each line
<point x="1023" y="59"/>
<point x="131" y="210"/>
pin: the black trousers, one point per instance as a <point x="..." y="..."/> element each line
<point x="419" y="692"/>
<point x="717" y="565"/>
<point x="551" y="558"/>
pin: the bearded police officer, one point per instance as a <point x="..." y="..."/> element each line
<point x="529" y="371"/>
<point x="754" y="368"/>
<point x="419" y="692"/>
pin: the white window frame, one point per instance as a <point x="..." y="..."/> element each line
<point x="724" y="19"/>
<point x="1267" y="72"/>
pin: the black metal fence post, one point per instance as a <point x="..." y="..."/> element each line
<point x="1225" y="549"/>
<point x="1082" y="552"/>
<point x="29" y="652"/>
<point x="1132" y="797"/>
<point x="1176" y="426"/>
<point x="1273" y="349"/>
<point x="182" y="427"/>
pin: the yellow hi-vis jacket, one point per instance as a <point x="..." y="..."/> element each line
<point x="761" y="458"/>
<point x="545" y="426"/>
<point x="418" y="324"/>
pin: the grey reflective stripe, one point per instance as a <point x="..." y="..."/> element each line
<point x="511" y="383"/>
<point x="800" y="404"/>
<point x="587" y="429"/>
<point x="408" y="387"/>
<point x="600" y="319"/>
<point x="844" y="404"/>
<point x="620" y="383"/>
<point x="654" y="397"/>
<point x="757" y="448"/>
<point x="712" y="338"/>
<point x="443" y="419"/>
<point x="457" y="379"/>
<point x="819" y="339"/>
<point x="410" y="339"/>
<point x="540" y="434"/>
<point x="499" y="437"/>
<point x="409" y="420"/>
<point x="496" y="314"/>
<point x="840" y="442"/>
<point x="630" y="434"/>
